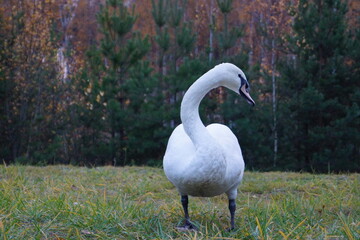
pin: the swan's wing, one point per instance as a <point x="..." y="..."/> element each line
<point x="234" y="159"/>
<point x="179" y="152"/>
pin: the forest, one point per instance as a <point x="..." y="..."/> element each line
<point x="100" y="82"/>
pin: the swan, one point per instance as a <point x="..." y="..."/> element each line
<point x="206" y="161"/>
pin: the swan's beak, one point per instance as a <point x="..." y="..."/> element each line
<point x="244" y="92"/>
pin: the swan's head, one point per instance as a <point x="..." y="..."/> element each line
<point x="235" y="79"/>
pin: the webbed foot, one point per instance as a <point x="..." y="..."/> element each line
<point x="230" y="229"/>
<point x="188" y="226"/>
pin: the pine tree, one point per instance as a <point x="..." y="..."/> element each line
<point x="176" y="41"/>
<point x="160" y="15"/>
<point x="318" y="89"/>
<point x="227" y="37"/>
<point x="105" y="82"/>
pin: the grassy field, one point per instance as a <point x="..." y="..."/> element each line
<point x="64" y="202"/>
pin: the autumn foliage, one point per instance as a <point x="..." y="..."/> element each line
<point x="96" y="82"/>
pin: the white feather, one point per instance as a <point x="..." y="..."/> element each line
<point x="205" y="161"/>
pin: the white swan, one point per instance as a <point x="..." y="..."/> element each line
<point x="206" y="161"/>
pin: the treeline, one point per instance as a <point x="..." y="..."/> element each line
<point x="122" y="102"/>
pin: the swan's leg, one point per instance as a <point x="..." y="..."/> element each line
<point x="188" y="225"/>
<point x="232" y="208"/>
<point x="185" y="203"/>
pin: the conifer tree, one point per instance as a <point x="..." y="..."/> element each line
<point x="160" y="16"/>
<point x="319" y="91"/>
<point x="176" y="40"/>
<point x="227" y="37"/>
<point x="108" y="101"/>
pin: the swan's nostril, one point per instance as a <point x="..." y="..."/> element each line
<point x="247" y="87"/>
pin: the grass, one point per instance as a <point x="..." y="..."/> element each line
<point x="64" y="202"/>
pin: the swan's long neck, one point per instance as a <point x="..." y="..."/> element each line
<point x="190" y="108"/>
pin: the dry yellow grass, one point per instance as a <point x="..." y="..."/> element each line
<point x="65" y="202"/>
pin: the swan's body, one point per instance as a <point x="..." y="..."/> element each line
<point x="209" y="170"/>
<point x="206" y="161"/>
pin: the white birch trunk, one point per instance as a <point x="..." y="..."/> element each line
<point x="67" y="13"/>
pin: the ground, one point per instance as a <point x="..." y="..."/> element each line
<point x="65" y="202"/>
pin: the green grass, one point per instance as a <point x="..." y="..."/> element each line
<point x="64" y="202"/>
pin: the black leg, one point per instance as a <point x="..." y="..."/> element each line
<point x="188" y="225"/>
<point x="185" y="203"/>
<point x="232" y="208"/>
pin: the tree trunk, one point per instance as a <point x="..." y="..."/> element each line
<point x="273" y="80"/>
<point x="211" y="34"/>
